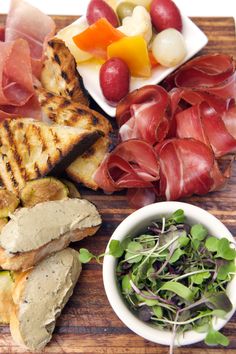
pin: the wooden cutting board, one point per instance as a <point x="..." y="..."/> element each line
<point x="88" y="324"/>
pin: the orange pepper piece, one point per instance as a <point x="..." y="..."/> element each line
<point x="97" y="37"/>
<point x="133" y="50"/>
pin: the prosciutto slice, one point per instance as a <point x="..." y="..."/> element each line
<point x="208" y="73"/>
<point x="16" y="83"/>
<point x="203" y="123"/>
<point x="31" y="109"/>
<point x="229" y="119"/>
<point x="27" y="22"/>
<point x="132" y="164"/>
<point x="186" y="166"/>
<point x="17" y="95"/>
<point x="143" y="115"/>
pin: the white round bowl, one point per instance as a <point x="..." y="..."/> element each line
<point x="132" y="225"/>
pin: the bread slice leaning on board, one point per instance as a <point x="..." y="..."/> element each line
<point x="69" y="113"/>
<point x="34" y="233"/>
<point x="30" y="149"/>
<point x="39" y="296"/>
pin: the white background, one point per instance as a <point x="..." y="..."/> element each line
<point x="190" y="7"/>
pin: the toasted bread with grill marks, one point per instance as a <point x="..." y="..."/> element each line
<point x="30" y="149"/>
<point x="63" y="111"/>
<point x="59" y="73"/>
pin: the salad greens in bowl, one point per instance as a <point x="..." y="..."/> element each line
<point x="169" y="274"/>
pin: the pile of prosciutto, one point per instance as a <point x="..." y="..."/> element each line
<point x="22" y="44"/>
<point x="172" y="137"/>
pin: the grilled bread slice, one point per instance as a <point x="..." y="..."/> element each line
<point x="30" y="149"/>
<point x="39" y="296"/>
<point x="62" y="111"/>
<point x="36" y="232"/>
<point x="59" y="73"/>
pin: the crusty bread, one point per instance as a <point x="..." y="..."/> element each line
<point x="30" y="149"/>
<point x="59" y="73"/>
<point x="30" y="237"/>
<point x="83" y="168"/>
<point x="39" y="296"/>
<point x="62" y="111"/>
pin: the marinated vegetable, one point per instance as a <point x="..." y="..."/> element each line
<point x="42" y="190"/>
<point x="100" y="9"/>
<point x="125" y="9"/>
<point x="96" y="38"/>
<point x="165" y="14"/>
<point x="169" y="48"/>
<point x="67" y="34"/>
<point x="8" y="202"/>
<point x="138" y="24"/>
<point x="133" y="51"/>
<point x="114" y="79"/>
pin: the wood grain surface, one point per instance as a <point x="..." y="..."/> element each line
<point x="88" y="324"/>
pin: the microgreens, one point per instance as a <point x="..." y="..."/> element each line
<point x="175" y="275"/>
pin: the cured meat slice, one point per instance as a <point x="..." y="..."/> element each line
<point x="186" y="166"/>
<point x="131" y="164"/>
<point x="229" y="119"/>
<point x="16" y="84"/>
<point x="189" y="125"/>
<point x="143" y="114"/>
<point x="148" y="93"/>
<point x="17" y="95"/>
<point x="27" y="22"/>
<point x="222" y="142"/>
<point x="31" y="109"/>
<point x="203" y="123"/>
<point x="203" y="72"/>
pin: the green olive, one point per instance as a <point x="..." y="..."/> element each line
<point x="125" y="9"/>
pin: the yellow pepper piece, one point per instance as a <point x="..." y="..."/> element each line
<point x="133" y="50"/>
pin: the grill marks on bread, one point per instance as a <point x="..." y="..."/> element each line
<point x="59" y="73"/>
<point x="30" y="149"/>
<point x="62" y="111"/>
<point x="65" y="112"/>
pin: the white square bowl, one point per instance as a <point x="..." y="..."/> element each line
<point x="195" y="40"/>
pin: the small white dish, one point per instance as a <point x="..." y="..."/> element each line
<point x="134" y="224"/>
<point x="195" y="40"/>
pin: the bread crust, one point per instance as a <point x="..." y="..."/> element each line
<point x="25" y="260"/>
<point x="41" y="334"/>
